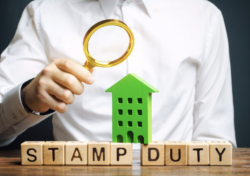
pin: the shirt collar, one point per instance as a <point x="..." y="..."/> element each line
<point x="108" y="6"/>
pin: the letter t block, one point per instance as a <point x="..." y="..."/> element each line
<point x="198" y="153"/>
<point x="98" y="153"/>
<point x="152" y="153"/>
<point x="53" y="153"/>
<point x="220" y="153"/>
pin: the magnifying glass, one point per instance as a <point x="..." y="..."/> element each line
<point x="107" y="43"/>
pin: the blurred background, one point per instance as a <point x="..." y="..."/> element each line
<point x="237" y="18"/>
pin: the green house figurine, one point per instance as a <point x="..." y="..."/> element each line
<point x="132" y="110"/>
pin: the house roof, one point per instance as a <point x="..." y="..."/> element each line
<point x="131" y="79"/>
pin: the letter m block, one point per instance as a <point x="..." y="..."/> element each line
<point x="98" y="153"/>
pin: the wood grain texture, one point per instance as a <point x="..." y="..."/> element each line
<point x="220" y="153"/>
<point x="53" y="153"/>
<point x="10" y="165"/>
<point x="152" y="154"/>
<point x="175" y="153"/>
<point x="32" y="153"/>
<point x="76" y="153"/>
<point x="98" y="153"/>
<point x="198" y="153"/>
<point x="121" y="153"/>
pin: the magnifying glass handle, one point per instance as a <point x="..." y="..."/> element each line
<point x="88" y="65"/>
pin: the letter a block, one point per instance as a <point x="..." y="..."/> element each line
<point x="98" y="153"/>
<point x="198" y="153"/>
<point x="53" y="153"/>
<point x="175" y="153"/>
<point x="121" y="153"/>
<point x="220" y="152"/>
<point x="76" y="153"/>
<point x="152" y="154"/>
<point x="32" y="153"/>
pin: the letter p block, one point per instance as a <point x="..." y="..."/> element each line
<point x="121" y="153"/>
<point x="152" y="153"/>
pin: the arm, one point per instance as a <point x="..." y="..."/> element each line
<point x="54" y="84"/>
<point x="213" y="109"/>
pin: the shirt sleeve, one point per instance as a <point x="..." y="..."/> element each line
<point x="213" y="109"/>
<point x="22" y="60"/>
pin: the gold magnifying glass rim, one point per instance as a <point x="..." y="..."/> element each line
<point x="91" y="62"/>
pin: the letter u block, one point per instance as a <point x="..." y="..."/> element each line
<point x="198" y="153"/>
<point x="220" y="153"/>
<point x="53" y="153"/>
<point x="152" y="153"/>
<point x="32" y="153"/>
<point x="76" y="153"/>
<point x="98" y="153"/>
<point x="175" y="153"/>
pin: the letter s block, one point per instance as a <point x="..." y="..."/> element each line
<point x="53" y="153"/>
<point x="76" y="153"/>
<point x="220" y="153"/>
<point x="98" y="153"/>
<point x="121" y="153"/>
<point x="32" y="153"/>
<point x="198" y="153"/>
<point x="175" y="153"/>
<point x="152" y="153"/>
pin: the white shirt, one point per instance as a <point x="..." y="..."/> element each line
<point x="181" y="48"/>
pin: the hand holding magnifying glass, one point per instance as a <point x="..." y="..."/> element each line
<point x="104" y="30"/>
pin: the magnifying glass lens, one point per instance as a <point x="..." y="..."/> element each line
<point x="108" y="43"/>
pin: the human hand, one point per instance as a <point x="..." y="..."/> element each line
<point x="55" y="86"/>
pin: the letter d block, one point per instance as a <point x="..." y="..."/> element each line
<point x="198" y="153"/>
<point x="220" y="152"/>
<point x="32" y="153"/>
<point x="152" y="153"/>
<point x="121" y="153"/>
<point x="98" y="153"/>
<point x="175" y="153"/>
<point x="53" y="153"/>
<point x="76" y="153"/>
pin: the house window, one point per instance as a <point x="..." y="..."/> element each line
<point x="130" y="112"/>
<point x="130" y="123"/>
<point x="139" y="100"/>
<point x="139" y="112"/>
<point x="120" y="123"/>
<point x="139" y="124"/>
<point x="119" y="100"/>
<point x="130" y="100"/>
<point x="120" y="111"/>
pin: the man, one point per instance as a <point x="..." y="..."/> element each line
<point x="181" y="49"/>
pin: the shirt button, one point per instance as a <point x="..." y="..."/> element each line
<point x="14" y="116"/>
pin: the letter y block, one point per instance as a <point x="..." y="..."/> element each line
<point x="220" y="153"/>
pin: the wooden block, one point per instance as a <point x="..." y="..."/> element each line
<point x="220" y="152"/>
<point x="198" y="153"/>
<point x="98" y="153"/>
<point x="32" y="153"/>
<point x="152" y="154"/>
<point x="175" y="153"/>
<point x="121" y="153"/>
<point x="76" y="153"/>
<point x="53" y="153"/>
